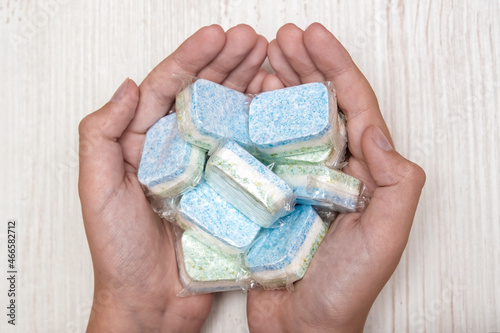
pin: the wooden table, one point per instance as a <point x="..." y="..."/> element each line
<point x="433" y="64"/>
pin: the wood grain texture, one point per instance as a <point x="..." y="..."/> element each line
<point x="433" y="64"/>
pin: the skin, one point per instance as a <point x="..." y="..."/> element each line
<point x="135" y="270"/>
<point x="361" y="250"/>
<point x="132" y="249"/>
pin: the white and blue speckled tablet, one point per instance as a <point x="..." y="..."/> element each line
<point x="248" y="184"/>
<point x="204" y="269"/>
<point x="208" y="213"/>
<point x="319" y="185"/>
<point x="169" y="165"/>
<point x="281" y="255"/>
<point x="332" y="156"/>
<point x="294" y="120"/>
<point x="315" y="157"/>
<point x="207" y="111"/>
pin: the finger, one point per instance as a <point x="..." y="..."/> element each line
<point x="290" y="41"/>
<point x="159" y="89"/>
<point x="240" y="41"/>
<point x="280" y="64"/>
<point x="255" y="86"/>
<point x="240" y="77"/>
<point x="355" y="96"/>
<point x="101" y="158"/>
<point x="389" y="215"/>
<point x="272" y="82"/>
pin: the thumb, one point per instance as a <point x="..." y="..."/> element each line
<point x="389" y="216"/>
<point x="101" y="160"/>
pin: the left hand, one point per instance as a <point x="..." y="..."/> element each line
<point x="135" y="269"/>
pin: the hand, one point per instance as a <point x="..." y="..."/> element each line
<point x="132" y="249"/>
<point x="361" y="250"/>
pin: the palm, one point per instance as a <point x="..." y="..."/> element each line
<point x="360" y="251"/>
<point x="132" y="248"/>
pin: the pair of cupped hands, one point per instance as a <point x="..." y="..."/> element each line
<point x="135" y="269"/>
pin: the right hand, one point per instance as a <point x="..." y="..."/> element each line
<point x="361" y="250"/>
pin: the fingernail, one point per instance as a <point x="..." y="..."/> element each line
<point x="120" y="91"/>
<point x="381" y="140"/>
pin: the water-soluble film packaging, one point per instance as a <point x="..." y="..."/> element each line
<point x="241" y="224"/>
<point x="336" y="159"/>
<point x="215" y="219"/>
<point x="169" y="165"/>
<point x="330" y="156"/>
<point x="207" y="111"/>
<point x="205" y="269"/>
<point x="295" y="120"/>
<point x="282" y="254"/>
<point x="321" y="186"/>
<point x="248" y="184"/>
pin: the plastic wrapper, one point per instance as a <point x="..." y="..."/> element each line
<point x="327" y="215"/>
<point x="321" y="186"/>
<point x="204" y="269"/>
<point x="336" y="159"/>
<point x="207" y="111"/>
<point x="169" y="165"/>
<point x="343" y="197"/>
<point x="316" y="157"/>
<point x="166" y="208"/>
<point x="328" y="156"/>
<point x="295" y="120"/>
<point x="216" y="220"/>
<point x="282" y="254"/>
<point x="248" y="184"/>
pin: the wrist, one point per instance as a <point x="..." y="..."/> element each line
<point x="337" y="325"/>
<point x="111" y="313"/>
<point x="122" y="312"/>
<point x="323" y="327"/>
<point x="330" y="320"/>
<point x="113" y="319"/>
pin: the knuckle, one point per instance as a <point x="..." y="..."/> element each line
<point x="152" y="86"/>
<point x="237" y="84"/>
<point x="89" y="125"/>
<point x="413" y="173"/>
<point x="417" y="173"/>
<point x="85" y="125"/>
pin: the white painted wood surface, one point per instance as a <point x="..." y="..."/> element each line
<point x="433" y="64"/>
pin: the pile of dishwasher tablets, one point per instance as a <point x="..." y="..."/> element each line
<point x="250" y="214"/>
